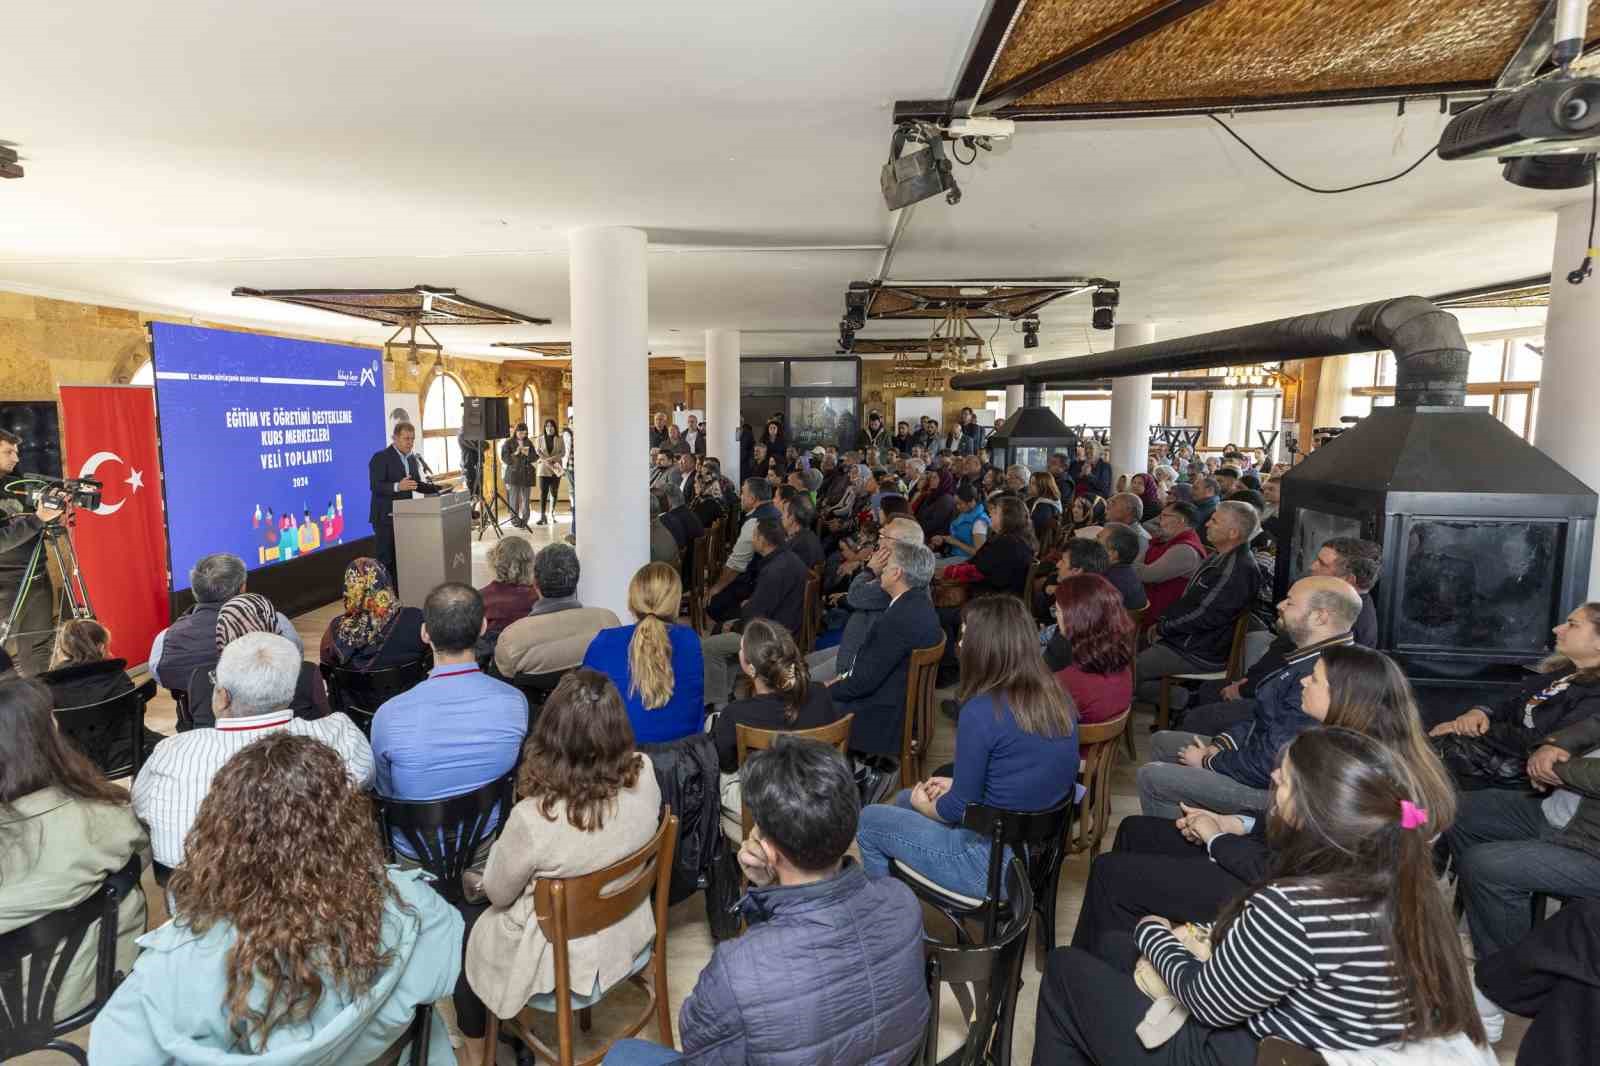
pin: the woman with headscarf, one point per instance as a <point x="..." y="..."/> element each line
<point x="1144" y="487"/>
<point x="374" y="632"/>
<point x="935" y="508"/>
<point x="250" y="613"/>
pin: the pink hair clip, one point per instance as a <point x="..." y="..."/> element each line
<point x="1412" y="816"/>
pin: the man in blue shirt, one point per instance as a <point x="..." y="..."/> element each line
<point x="458" y="729"/>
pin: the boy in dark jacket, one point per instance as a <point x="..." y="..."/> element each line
<point x="830" y="970"/>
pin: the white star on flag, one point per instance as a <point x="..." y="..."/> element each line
<point x="136" y="479"/>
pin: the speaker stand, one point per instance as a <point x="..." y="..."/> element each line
<point x="488" y="506"/>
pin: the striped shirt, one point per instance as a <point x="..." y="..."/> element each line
<point x="1297" y="965"/>
<point x="177" y="776"/>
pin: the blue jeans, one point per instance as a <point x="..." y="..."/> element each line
<point x="948" y="855"/>
<point x="640" y="1053"/>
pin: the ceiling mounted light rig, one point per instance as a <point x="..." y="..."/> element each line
<point x="9" y="167"/>
<point x="911" y="177"/>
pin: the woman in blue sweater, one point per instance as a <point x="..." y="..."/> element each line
<point x="655" y="663"/>
<point x="1016" y="748"/>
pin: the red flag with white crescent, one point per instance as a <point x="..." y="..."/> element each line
<point x="109" y="433"/>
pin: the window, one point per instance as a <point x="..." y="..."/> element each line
<point x="530" y="410"/>
<point x="1220" y="415"/>
<point x="1502" y="378"/>
<point x="441" y="422"/>
<point x="1086" y="409"/>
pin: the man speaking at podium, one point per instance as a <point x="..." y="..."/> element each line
<point x="394" y="474"/>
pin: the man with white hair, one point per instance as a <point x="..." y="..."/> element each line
<point x="1127" y="509"/>
<point x="256" y="677"/>
<point x="866" y="599"/>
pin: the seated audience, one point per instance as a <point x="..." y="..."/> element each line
<point x="375" y="632"/>
<point x="865" y="600"/>
<point x="290" y="940"/>
<point x="249" y="613"/>
<point x="511" y="594"/>
<point x="1006" y="558"/>
<point x="1549" y="976"/>
<point x="853" y="987"/>
<point x="559" y="628"/>
<point x="1358" y="562"/>
<point x="1171" y="558"/>
<point x="1086" y="514"/>
<point x="1344" y="945"/>
<point x="1509" y="842"/>
<point x="1098" y="630"/>
<point x="1195" y="633"/>
<point x="782" y="698"/>
<point x="799" y="515"/>
<point x="586" y="800"/>
<point x="458" y="729"/>
<point x="1230" y="772"/>
<point x="1044" y="503"/>
<point x="708" y="504"/>
<point x="63" y="830"/>
<point x="191" y="641"/>
<point x="1126" y="509"/>
<point x="655" y="663"/>
<point x="663" y="545"/>
<point x="874" y="688"/>
<point x="1122" y="546"/>
<point x="1187" y="869"/>
<point x="1207" y="497"/>
<point x="779" y="595"/>
<point x="968" y="530"/>
<point x="681" y="522"/>
<point x="738" y="578"/>
<point x="256" y="680"/>
<point x="82" y="672"/>
<point x="934" y="505"/>
<point x="1144" y="487"/>
<point x="1016" y="748"/>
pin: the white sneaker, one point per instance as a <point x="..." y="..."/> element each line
<point x="1494" y="1019"/>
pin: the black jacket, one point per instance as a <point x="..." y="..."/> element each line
<point x="19" y="528"/>
<point x="1126" y="581"/>
<point x="1545" y="704"/>
<point x="517" y="470"/>
<point x="875" y="688"/>
<point x="686" y="771"/>
<point x="1005" y="562"/>
<point x="385" y="470"/>
<point x="1200" y="624"/>
<point x="766" y="712"/>
<point x="82" y="684"/>
<point x="708" y="509"/>
<point x="1366" y="627"/>
<point x="936" y="515"/>
<point x="806" y="545"/>
<point x="1553" y="976"/>
<point x="780" y="592"/>
<point x="684" y="525"/>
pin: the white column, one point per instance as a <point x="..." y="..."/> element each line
<point x="610" y="399"/>
<point x="1130" y="407"/>
<point x="722" y="400"/>
<point x="1565" y="430"/>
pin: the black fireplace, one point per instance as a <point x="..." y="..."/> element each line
<point x="1030" y="435"/>
<point x="1486" y="540"/>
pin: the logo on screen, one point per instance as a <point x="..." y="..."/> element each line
<point x="369" y="375"/>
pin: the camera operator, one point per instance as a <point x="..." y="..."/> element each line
<point x="19" y="535"/>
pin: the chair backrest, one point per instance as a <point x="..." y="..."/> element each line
<point x="571" y="907"/>
<point x="811" y="611"/>
<point x="536" y="688"/>
<point x="1038" y="575"/>
<point x="1136" y="615"/>
<point x="1097" y="747"/>
<point x="917" y="725"/>
<point x="699" y="580"/>
<point x="445" y="834"/>
<point x="180" y="701"/>
<point x="1040" y="835"/>
<point x="1275" y="1052"/>
<point x="1241" y="627"/>
<point x="359" y="693"/>
<point x="415" y="1037"/>
<point x="96" y="727"/>
<point x="995" y="966"/>
<point x="749" y="738"/>
<point x="48" y="946"/>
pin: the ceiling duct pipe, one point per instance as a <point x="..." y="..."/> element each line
<point x="1430" y="353"/>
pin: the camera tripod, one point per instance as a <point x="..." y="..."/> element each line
<point x="55" y="539"/>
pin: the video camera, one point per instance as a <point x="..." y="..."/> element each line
<point x="61" y="493"/>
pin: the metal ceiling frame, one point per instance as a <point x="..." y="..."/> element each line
<point x="547" y="349"/>
<point x="864" y="294"/>
<point x="404" y="318"/>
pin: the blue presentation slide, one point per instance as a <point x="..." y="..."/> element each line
<point x="264" y="443"/>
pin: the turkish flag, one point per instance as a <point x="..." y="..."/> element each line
<point x="109" y="433"/>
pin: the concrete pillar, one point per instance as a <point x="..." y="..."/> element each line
<point x="1130" y="407"/>
<point x="1565" y="429"/>
<point x="722" y="400"/>
<point x="611" y="400"/>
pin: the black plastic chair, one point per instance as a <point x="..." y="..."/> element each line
<point x="994" y="968"/>
<point x="359" y="693"/>
<point x="180" y="700"/>
<point x="444" y="835"/>
<point x="1040" y="836"/>
<point x="49" y="945"/>
<point x="537" y="689"/>
<point x="97" y="727"/>
<point x="416" y="1037"/>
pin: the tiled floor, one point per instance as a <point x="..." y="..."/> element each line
<point x="689" y="938"/>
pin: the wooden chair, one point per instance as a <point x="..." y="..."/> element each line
<point x="45" y="946"/>
<point x="1275" y="1052"/>
<point x="1038" y="576"/>
<point x="572" y="907"/>
<point x="811" y="612"/>
<point x="1231" y="672"/>
<point x="359" y="693"/>
<point x="749" y="738"/>
<point x="699" y="563"/>
<point x="917" y="727"/>
<point x="1137" y="616"/>
<point x="1097" y="750"/>
<point x="95" y="729"/>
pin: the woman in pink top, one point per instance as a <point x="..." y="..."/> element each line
<point x="1091" y="617"/>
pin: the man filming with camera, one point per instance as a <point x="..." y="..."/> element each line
<point x="20" y="529"/>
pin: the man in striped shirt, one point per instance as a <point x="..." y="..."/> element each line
<point x="255" y="684"/>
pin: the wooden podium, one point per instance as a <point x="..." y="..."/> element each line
<point x="432" y="543"/>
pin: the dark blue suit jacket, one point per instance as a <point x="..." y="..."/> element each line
<point x="384" y="471"/>
<point x="875" y="691"/>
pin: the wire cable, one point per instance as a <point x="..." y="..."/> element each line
<point x="1312" y="188"/>
<point x="1586" y="267"/>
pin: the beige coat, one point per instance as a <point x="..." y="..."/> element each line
<point x="508" y="958"/>
<point x="55" y="851"/>
<point x="543" y="642"/>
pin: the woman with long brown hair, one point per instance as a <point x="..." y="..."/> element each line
<point x="1016" y="748"/>
<point x="1090" y="615"/>
<point x="655" y="663"/>
<point x="63" y="830"/>
<point x="1006" y="558"/>
<point x="587" y="800"/>
<point x="1345" y="943"/>
<point x="290" y="939"/>
<point x="783" y="696"/>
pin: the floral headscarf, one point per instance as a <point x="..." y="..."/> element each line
<point x="245" y="613"/>
<point x="371" y="609"/>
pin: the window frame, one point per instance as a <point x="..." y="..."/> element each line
<point x="449" y="433"/>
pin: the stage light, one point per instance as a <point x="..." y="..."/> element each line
<point x="1030" y="331"/>
<point x="8" y="163"/>
<point x="1105" y="307"/>
<point x="914" y="177"/>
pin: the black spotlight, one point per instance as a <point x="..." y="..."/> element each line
<point x="1549" y="171"/>
<point x="1030" y="331"/>
<point x="1105" y="307"/>
<point x="847" y="335"/>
